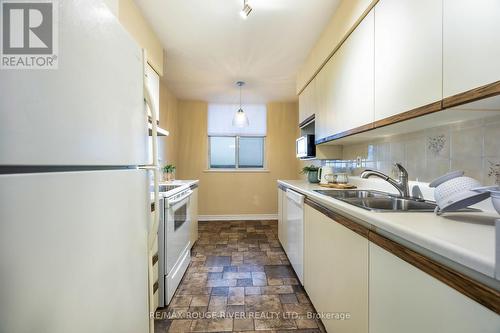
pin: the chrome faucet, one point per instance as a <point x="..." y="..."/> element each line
<point x="401" y="184"/>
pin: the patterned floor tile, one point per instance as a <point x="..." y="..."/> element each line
<point x="200" y="300"/>
<point x="244" y="283"/>
<point x="238" y="268"/>
<point x="217" y="304"/>
<point x="279" y="271"/>
<point x="277" y="323"/>
<point x="306" y="323"/>
<point x="220" y="291"/>
<point x="240" y="325"/>
<point x="215" y="261"/>
<point x="180" y="326"/>
<point x="236" y="296"/>
<point x="288" y="298"/>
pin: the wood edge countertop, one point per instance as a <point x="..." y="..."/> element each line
<point x="469" y="282"/>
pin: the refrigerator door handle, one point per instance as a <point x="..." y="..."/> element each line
<point x="151" y="167"/>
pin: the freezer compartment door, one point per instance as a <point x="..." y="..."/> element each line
<point x="73" y="252"/>
<point x="89" y="111"/>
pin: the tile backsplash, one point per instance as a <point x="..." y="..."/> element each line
<point x="427" y="154"/>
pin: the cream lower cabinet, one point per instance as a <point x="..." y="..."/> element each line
<point x="336" y="273"/>
<point x="408" y="55"/>
<point x="405" y="299"/>
<point x="471" y="30"/>
<point x="282" y="230"/>
<point x="193" y="211"/>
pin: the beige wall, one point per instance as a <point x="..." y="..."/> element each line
<point x="233" y="193"/>
<point x="132" y="19"/>
<point x="186" y="146"/>
<point x="343" y="21"/>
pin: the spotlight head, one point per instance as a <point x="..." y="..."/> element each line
<point x="246" y="11"/>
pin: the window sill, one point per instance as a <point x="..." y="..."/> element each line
<point x="236" y="170"/>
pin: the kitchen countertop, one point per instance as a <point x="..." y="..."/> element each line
<point x="184" y="184"/>
<point x="466" y="238"/>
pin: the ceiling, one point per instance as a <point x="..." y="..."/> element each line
<point x="209" y="46"/>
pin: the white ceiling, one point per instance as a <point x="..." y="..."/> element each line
<point x="209" y="46"/>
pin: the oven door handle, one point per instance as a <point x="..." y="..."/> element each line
<point x="173" y="202"/>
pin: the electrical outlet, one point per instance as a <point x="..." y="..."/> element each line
<point x="359" y="162"/>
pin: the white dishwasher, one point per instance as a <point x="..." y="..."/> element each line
<point x="295" y="231"/>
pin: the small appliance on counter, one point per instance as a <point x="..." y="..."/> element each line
<point x="341" y="178"/>
<point x="329" y="179"/>
<point x="325" y="175"/>
<point x="305" y="147"/>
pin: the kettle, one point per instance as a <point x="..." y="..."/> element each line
<point x="325" y="174"/>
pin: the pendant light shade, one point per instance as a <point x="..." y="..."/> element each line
<point x="240" y="119"/>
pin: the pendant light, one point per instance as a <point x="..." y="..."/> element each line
<point x="240" y="118"/>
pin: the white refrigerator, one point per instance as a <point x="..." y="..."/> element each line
<point x="74" y="202"/>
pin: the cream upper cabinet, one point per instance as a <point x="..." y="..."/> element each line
<point x="153" y="81"/>
<point x="193" y="211"/>
<point x="351" y="86"/>
<point x="307" y="102"/>
<point x="405" y="299"/>
<point x="345" y="85"/>
<point x="336" y="272"/>
<point x="323" y="83"/>
<point x="408" y="55"/>
<point x="471" y="53"/>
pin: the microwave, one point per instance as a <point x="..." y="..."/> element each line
<point x="305" y="147"/>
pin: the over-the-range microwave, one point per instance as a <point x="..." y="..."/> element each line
<point x="305" y="147"/>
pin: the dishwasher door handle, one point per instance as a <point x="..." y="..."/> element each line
<point x="297" y="197"/>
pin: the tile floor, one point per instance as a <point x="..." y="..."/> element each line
<point x="239" y="280"/>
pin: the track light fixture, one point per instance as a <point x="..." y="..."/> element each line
<point x="246" y="10"/>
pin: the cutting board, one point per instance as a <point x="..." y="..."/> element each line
<point x="338" y="186"/>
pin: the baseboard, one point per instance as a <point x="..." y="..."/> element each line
<point x="242" y="217"/>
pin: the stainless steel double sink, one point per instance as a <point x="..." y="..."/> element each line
<point x="379" y="201"/>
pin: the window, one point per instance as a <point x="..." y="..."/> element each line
<point x="222" y="152"/>
<point x="236" y="152"/>
<point x="251" y="152"/>
<point x="236" y="148"/>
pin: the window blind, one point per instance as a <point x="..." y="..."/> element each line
<point x="220" y="120"/>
